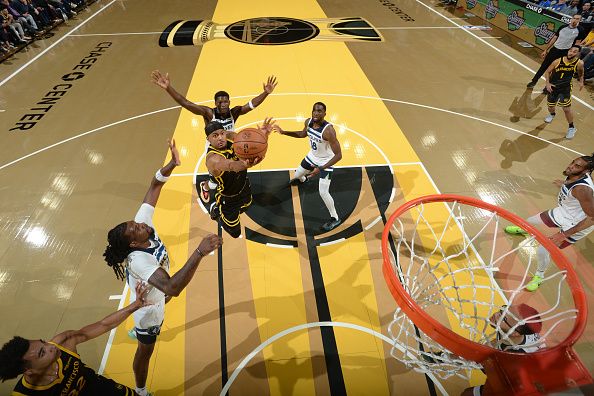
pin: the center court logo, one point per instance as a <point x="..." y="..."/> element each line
<point x="492" y="9"/>
<point x="269" y="31"/>
<point x="544" y="33"/>
<point x="515" y="20"/>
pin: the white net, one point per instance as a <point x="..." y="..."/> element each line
<point x="459" y="266"/>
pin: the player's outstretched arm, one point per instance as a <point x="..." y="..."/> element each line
<point x="163" y="81"/>
<point x="268" y="88"/>
<point x="173" y="286"/>
<point x="71" y="338"/>
<point x="217" y="164"/>
<point x="162" y="175"/>
<point x="295" y="134"/>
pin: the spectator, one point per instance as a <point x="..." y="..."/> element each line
<point x="570" y="9"/>
<point x="15" y="27"/>
<point x="545" y="3"/>
<point x="586" y="12"/>
<point x="25" y="20"/>
<point x="557" y="7"/>
<point x="54" y="13"/>
<point x="42" y="18"/>
<point x="64" y="7"/>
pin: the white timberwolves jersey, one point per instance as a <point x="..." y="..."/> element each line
<point x="570" y="212"/>
<point x="320" y="152"/>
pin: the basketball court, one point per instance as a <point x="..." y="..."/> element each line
<point x="433" y="107"/>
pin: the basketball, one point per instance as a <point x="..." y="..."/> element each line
<point x="250" y="143"/>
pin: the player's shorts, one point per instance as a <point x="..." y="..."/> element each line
<point x="310" y="164"/>
<point x="232" y="206"/>
<point x="148" y="336"/>
<point x="549" y="219"/>
<point x="560" y="96"/>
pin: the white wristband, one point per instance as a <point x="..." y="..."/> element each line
<point x="251" y="105"/>
<point x="160" y="176"/>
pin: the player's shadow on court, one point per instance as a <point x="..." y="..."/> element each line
<point x="525" y="106"/>
<point x="211" y="372"/>
<point x="520" y="149"/>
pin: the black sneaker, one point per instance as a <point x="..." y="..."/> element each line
<point x="215" y="212"/>
<point x="297" y="181"/>
<point x="331" y="224"/>
<point x="531" y="84"/>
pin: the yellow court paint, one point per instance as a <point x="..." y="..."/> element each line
<point x="279" y="303"/>
<point x="351" y="298"/>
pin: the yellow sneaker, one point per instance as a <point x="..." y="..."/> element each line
<point x="515" y="230"/>
<point x="534" y="283"/>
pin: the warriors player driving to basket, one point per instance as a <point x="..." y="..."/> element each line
<point x="221" y="113"/>
<point x="574" y="217"/>
<point x="233" y="195"/>
<point x="559" y="83"/>
<point x="325" y="152"/>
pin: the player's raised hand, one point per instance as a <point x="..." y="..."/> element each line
<point x="268" y="126"/>
<point x="558" y="182"/>
<point x="278" y="129"/>
<point x="159" y="79"/>
<point x="174" y="152"/>
<point x="270" y="85"/>
<point x="252" y="161"/>
<point x="210" y="243"/>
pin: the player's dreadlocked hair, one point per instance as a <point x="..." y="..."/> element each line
<point x="117" y="249"/>
<point x="589" y="162"/>
<point x="12" y="363"/>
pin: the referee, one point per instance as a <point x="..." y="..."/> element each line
<point x="561" y="42"/>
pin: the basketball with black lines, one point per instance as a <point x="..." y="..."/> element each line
<point x="250" y="143"/>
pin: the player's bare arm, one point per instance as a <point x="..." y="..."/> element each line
<point x="580" y="71"/>
<point x="152" y="195"/>
<point x="549" y="87"/>
<point x="268" y="88"/>
<point x="217" y="164"/>
<point x="295" y="134"/>
<point x="71" y="338"/>
<point x="173" y="286"/>
<point x="163" y="81"/>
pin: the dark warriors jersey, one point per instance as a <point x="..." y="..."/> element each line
<point x="74" y="379"/>
<point x="229" y="183"/>
<point x="563" y="73"/>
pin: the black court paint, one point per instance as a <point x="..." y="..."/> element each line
<point x="222" y="326"/>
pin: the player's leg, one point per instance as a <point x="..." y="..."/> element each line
<point x="142" y="357"/>
<point x="565" y="104"/>
<point x="304" y="169"/>
<point x="324" y="187"/>
<point x="551" y="103"/>
<point x="229" y="220"/>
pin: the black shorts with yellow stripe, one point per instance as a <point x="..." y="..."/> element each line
<point x="232" y="206"/>
<point x="560" y="96"/>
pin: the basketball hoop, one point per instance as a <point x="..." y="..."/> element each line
<point x="450" y="268"/>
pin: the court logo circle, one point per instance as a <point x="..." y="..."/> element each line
<point x="272" y="31"/>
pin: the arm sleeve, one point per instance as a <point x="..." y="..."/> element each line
<point x="145" y="214"/>
<point x="582" y="33"/>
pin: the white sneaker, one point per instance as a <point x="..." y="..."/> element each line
<point x="548" y="119"/>
<point x="570" y="133"/>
